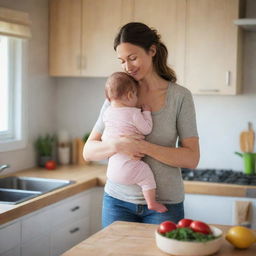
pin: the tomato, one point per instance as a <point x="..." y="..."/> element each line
<point x="50" y="165"/>
<point x="200" y="227"/>
<point x="184" y="223"/>
<point x="166" y="226"/>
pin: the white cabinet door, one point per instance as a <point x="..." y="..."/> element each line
<point x="215" y="209"/>
<point x="96" y="209"/>
<point x="13" y="252"/>
<point x="35" y="225"/>
<point x="9" y="237"/>
<point x="37" y="247"/>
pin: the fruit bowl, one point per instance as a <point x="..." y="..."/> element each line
<point x="176" y="247"/>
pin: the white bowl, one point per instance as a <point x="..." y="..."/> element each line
<point x="175" y="247"/>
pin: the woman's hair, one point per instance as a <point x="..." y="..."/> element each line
<point x="141" y="35"/>
<point x="119" y="84"/>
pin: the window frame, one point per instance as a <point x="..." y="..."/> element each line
<point x="16" y="137"/>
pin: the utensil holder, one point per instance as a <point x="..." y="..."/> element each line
<point x="249" y="162"/>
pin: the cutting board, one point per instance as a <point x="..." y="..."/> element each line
<point x="247" y="140"/>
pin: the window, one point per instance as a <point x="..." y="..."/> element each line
<point x="12" y="132"/>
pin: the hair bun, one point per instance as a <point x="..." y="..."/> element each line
<point x="156" y="35"/>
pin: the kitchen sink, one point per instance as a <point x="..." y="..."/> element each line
<point x="16" y="189"/>
<point x="14" y="196"/>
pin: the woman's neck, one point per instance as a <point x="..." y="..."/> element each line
<point x="153" y="82"/>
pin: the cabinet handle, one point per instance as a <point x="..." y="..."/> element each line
<point x="78" y="62"/>
<point x="75" y="208"/>
<point x="74" y="230"/>
<point x="228" y="74"/>
<point x="83" y="62"/>
<point x="209" y="90"/>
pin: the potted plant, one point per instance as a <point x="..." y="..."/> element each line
<point x="45" y="147"/>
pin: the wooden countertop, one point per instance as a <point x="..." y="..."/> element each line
<point x="88" y="176"/>
<point x="133" y="239"/>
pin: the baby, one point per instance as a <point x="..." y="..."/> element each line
<point x="123" y="118"/>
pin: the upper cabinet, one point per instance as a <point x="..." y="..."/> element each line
<point x="65" y="37"/>
<point x="213" y="47"/>
<point x="82" y="34"/>
<point x="203" y="42"/>
<point x="168" y="17"/>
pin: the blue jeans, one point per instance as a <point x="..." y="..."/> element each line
<point x="115" y="209"/>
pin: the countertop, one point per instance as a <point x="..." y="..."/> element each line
<point x="133" y="239"/>
<point x="89" y="176"/>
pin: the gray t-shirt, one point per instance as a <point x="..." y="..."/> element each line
<point x="176" y="119"/>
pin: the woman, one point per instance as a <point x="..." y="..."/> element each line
<point x="144" y="57"/>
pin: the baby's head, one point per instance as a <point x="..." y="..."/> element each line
<point x="121" y="87"/>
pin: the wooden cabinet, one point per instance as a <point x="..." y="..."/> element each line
<point x="213" y="47"/>
<point x="65" y="37"/>
<point x="168" y="17"/>
<point x="204" y="44"/>
<point x="82" y="34"/>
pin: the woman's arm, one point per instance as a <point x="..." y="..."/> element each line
<point x="186" y="156"/>
<point x="95" y="149"/>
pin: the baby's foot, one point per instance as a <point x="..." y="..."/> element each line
<point x="157" y="207"/>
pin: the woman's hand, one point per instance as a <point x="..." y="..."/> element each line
<point x="129" y="145"/>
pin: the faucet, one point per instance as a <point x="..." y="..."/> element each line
<point x="3" y="167"/>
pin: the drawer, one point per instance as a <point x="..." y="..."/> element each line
<point x="9" y="236"/>
<point x="72" y="208"/>
<point x="66" y="237"/>
<point x="35" y="225"/>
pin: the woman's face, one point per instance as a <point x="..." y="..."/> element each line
<point x="135" y="60"/>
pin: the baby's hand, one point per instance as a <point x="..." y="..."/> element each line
<point x="145" y="107"/>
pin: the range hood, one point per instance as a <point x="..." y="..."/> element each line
<point x="247" y="24"/>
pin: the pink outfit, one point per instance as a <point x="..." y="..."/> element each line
<point x="121" y="168"/>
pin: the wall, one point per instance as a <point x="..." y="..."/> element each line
<point x="220" y="118"/>
<point x="41" y="88"/>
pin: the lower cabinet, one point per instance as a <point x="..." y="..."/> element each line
<point x="54" y="229"/>
<point x="215" y="209"/>
<point x="10" y="238"/>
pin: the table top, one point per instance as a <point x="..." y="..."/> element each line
<point x="137" y="239"/>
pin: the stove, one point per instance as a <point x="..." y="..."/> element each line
<point x="218" y="176"/>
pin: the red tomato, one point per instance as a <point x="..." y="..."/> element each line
<point x="50" y="165"/>
<point x="184" y="223"/>
<point x="200" y="227"/>
<point x="166" y="226"/>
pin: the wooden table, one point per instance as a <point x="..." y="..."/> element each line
<point x="136" y="239"/>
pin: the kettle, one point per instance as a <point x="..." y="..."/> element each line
<point x="249" y="162"/>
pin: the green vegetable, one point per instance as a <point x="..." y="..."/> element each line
<point x="44" y="145"/>
<point x="187" y="234"/>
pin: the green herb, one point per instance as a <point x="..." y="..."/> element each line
<point x="44" y="145"/>
<point x="187" y="234"/>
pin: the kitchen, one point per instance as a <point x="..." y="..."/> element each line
<point x="55" y="103"/>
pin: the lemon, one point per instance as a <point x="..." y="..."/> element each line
<point x="241" y="237"/>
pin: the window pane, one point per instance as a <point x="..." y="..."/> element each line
<point x="4" y="117"/>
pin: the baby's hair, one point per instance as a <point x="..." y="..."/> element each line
<point x="119" y="84"/>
